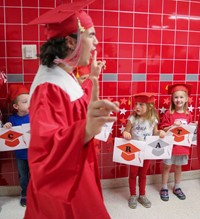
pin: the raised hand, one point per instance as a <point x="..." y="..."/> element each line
<point x="97" y="66"/>
<point x="98" y="112"/>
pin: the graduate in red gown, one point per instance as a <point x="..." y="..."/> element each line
<point x="64" y="118"/>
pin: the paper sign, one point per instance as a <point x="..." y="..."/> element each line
<point x="12" y="139"/>
<point x="158" y="148"/>
<point x="183" y="134"/>
<point x="26" y="132"/>
<point x="194" y="139"/>
<point x="105" y="131"/>
<point x="129" y="152"/>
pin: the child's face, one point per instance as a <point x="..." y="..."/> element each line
<point x="140" y="109"/>
<point x="22" y="103"/>
<point x="179" y="99"/>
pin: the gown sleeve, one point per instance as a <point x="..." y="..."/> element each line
<point x="57" y="147"/>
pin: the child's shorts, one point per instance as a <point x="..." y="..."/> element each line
<point x="177" y="160"/>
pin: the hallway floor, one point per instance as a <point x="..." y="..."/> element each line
<point x="117" y="205"/>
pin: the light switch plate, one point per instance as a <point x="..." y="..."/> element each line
<point x="29" y="52"/>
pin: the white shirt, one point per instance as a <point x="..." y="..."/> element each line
<point x="141" y="128"/>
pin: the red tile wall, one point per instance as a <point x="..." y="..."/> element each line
<point x="148" y="44"/>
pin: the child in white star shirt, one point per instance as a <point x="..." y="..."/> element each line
<point x="177" y="115"/>
<point x="142" y="123"/>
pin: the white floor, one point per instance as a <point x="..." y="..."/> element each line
<point x="116" y="203"/>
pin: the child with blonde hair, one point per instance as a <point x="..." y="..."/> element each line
<point x="141" y="123"/>
<point x="177" y="115"/>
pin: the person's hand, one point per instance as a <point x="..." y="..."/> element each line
<point x="97" y="66"/>
<point x="162" y="134"/>
<point x="178" y="123"/>
<point x="127" y="135"/>
<point x="98" y="112"/>
<point x="7" y="125"/>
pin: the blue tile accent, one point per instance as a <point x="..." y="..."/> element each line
<point x="166" y="77"/>
<point x="15" y="78"/>
<point x="139" y="77"/>
<point x="109" y="77"/>
<point x="192" y="77"/>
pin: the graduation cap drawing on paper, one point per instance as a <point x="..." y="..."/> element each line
<point x="128" y="151"/>
<point x="179" y="133"/>
<point x="11" y="138"/>
<point x="158" y="147"/>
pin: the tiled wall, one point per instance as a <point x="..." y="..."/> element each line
<point x="147" y="45"/>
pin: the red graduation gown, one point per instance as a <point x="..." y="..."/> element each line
<point x="64" y="180"/>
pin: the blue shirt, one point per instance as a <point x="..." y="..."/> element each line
<point x="17" y="120"/>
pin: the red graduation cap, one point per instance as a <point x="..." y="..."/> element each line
<point x="64" y="19"/>
<point x="179" y="87"/>
<point x="128" y="151"/>
<point x="11" y="138"/>
<point x="179" y="133"/>
<point x="81" y="70"/>
<point x="144" y="97"/>
<point x="15" y="90"/>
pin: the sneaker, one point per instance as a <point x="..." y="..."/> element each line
<point x="164" y="194"/>
<point x="144" y="201"/>
<point x="132" y="202"/>
<point x="23" y="201"/>
<point x="178" y="192"/>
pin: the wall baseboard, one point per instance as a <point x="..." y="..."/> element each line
<point x="10" y="190"/>
<point x="112" y="183"/>
<point x="152" y="179"/>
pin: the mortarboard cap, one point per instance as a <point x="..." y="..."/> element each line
<point x="128" y="151"/>
<point x="15" y="90"/>
<point x="179" y="87"/>
<point x="179" y="133"/>
<point x="63" y="20"/>
<point x="158" y="147"/>
<point x="11" y="138"/>
<point x="144" y="97"/>
<point x="81" y="70"/>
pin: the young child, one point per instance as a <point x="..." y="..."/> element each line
<point x="141" y="123"/>
<point x="82" y="73"/>
<point x="177" y="115"/>
<point x="19" y="97"/>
